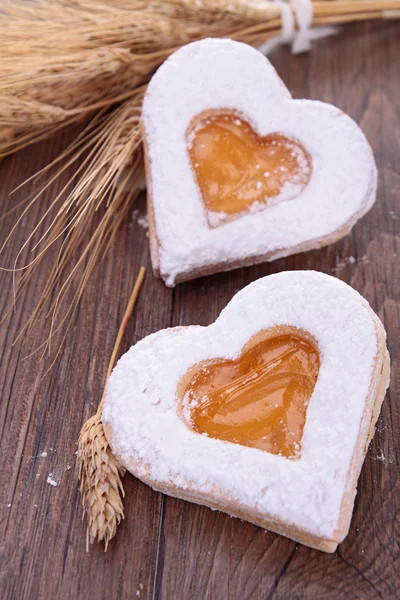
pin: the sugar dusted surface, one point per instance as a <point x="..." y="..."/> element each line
<point x="215" y="74"/>
<point x="140" y="402"/>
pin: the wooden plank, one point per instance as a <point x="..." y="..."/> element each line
<point x="168" y="548"/>
<point x="42" y="535"/>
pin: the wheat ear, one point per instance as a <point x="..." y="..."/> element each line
<point x="100" y="472"/>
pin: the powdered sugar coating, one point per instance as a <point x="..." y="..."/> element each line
<point x="141" y="404"/>
<point x="222" y="74"/>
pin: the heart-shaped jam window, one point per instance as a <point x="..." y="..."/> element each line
<point x="258" y="400"/>
<point x="238" y="171"/>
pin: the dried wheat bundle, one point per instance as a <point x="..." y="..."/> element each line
<point x="62" y="59"/>
<point x="100" y="472"/>
<point x="88" y="62"/>
<point x="107" y="146"/>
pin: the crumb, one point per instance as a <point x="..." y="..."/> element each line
<point x="50" y="479"/>
<point x="42" y="455"/>
<point x="381" y="457"/>
<point x="143" y="222"/>
<point x="344" y="263"/>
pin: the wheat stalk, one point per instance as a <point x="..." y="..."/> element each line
<point x="100" y="472"/>
<point x="109" y="173"/>
<point x="60" y="59"/>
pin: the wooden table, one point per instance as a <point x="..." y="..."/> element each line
<point x="168" y="548"/>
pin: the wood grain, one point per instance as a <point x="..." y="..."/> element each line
<point x="166" y="548"/>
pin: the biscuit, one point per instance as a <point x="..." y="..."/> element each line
<point x="300" y="352"/>
<point x="237" y="171"/>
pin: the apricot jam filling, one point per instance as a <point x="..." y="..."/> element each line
<point x="238" y="171"/>
<point x="258" y="400"/>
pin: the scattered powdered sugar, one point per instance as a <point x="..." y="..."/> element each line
<point x="342" y="264"/>
<point x="142" y="220"/>
<point x="222" y="74"/>
<point x="156" y="444"/>
<point x="51" y="479"/>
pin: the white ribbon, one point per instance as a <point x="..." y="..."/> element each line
<point x="304" y="17"/>
<point x="301" y="39"/>
<point x="288" y="23"/>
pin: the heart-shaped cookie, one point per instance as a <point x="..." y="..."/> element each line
<point x="266" y="414"/>
<point x="237" y="171"/>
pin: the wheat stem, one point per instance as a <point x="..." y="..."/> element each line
<point x="100" y="473"/>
